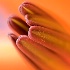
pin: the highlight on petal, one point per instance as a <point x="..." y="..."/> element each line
<point x="58" y="42"/>
<point x="36" y="16"/>
<point x="18" y="25"/>
<point x="40" y="55"/>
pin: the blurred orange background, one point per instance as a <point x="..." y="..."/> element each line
<point x="10" y="59"/>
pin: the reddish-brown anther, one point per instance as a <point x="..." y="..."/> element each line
<point x="18" y="25"/>
<point x="36" y="16"/>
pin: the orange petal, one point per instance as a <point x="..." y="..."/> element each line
<point x="40" y="55"/>
<point x="29" y="62"/>
<point x="58" y="42"/>
<point x="36" y="16"/>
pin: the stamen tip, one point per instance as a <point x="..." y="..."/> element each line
<point x="21" y="8"/>
<point x="10" y="18"/>
<point x="20" y="38"/>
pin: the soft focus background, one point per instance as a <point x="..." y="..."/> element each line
<point x="10" y="59"/>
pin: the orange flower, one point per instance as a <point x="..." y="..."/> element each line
<point x="47" y="43"/>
